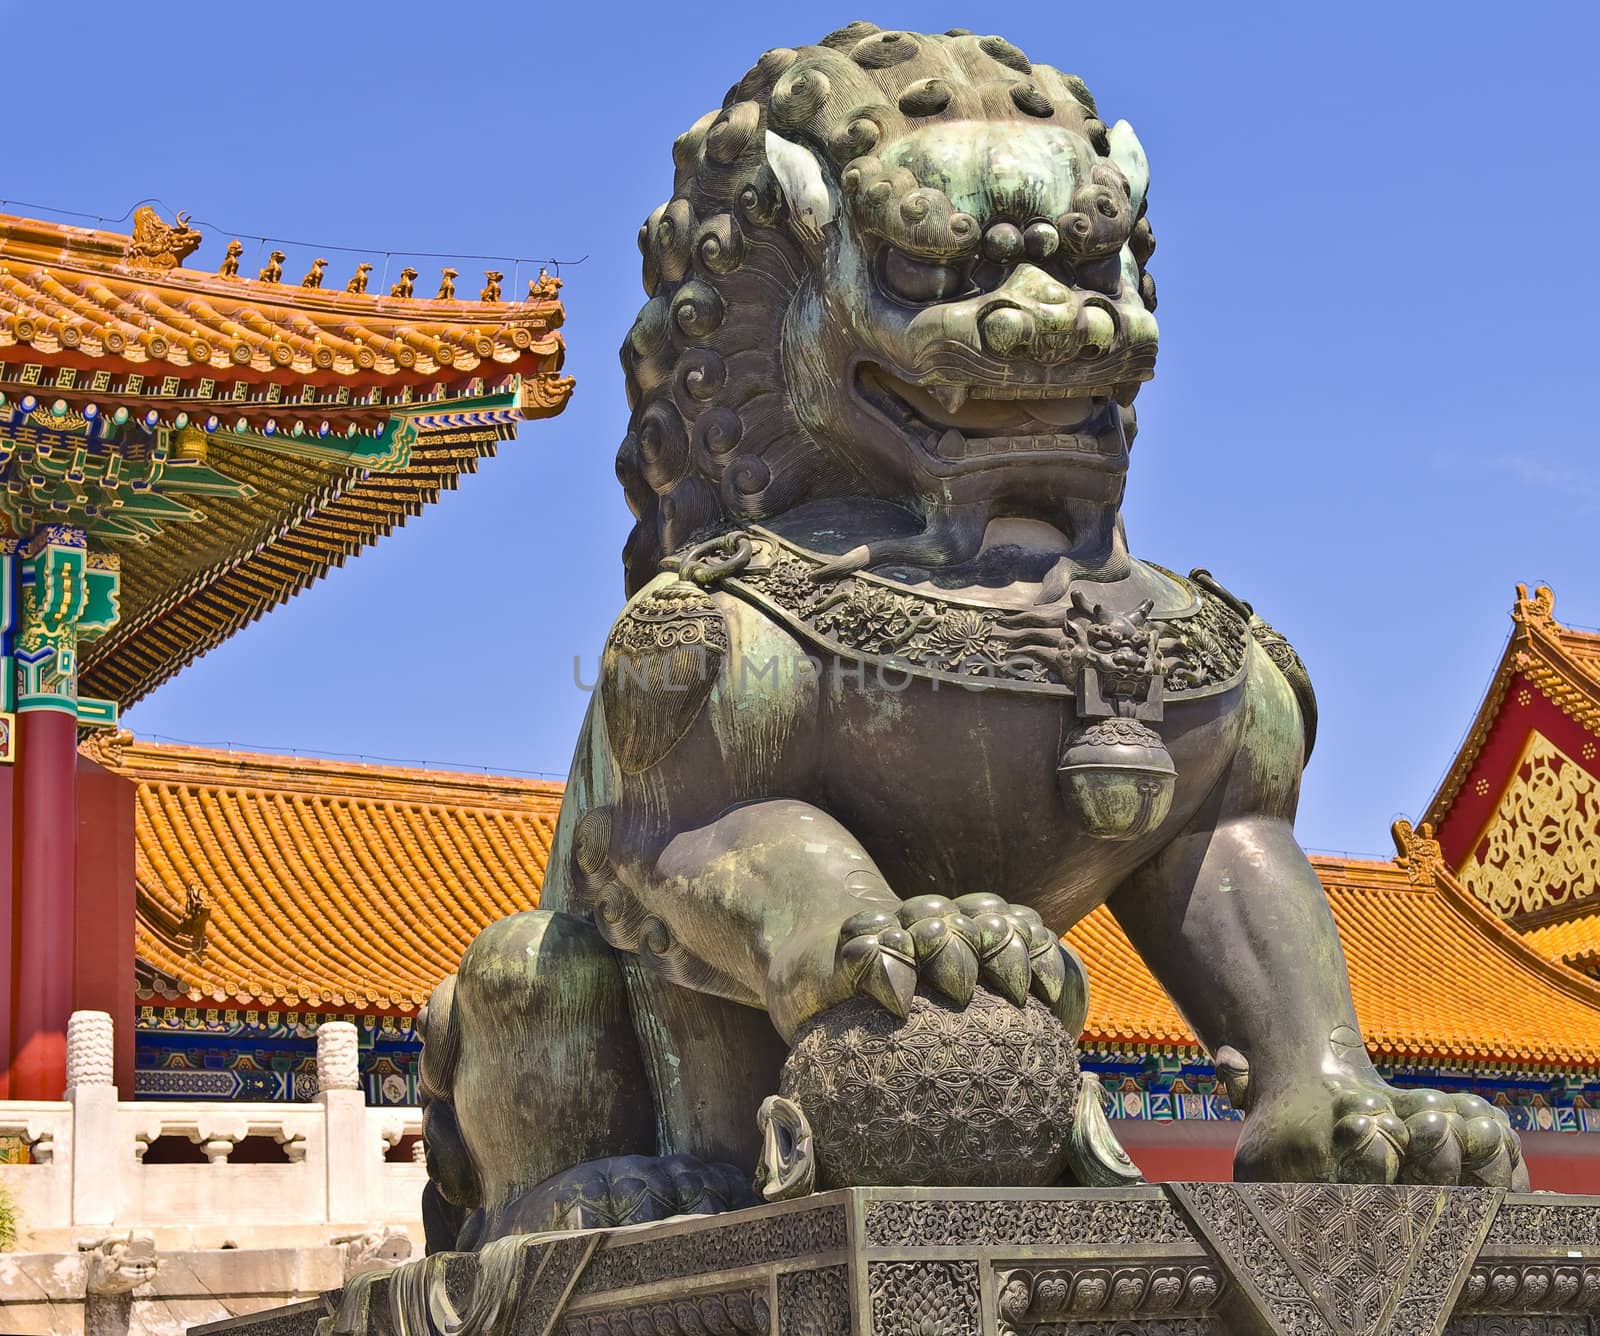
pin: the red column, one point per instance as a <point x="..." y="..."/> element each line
<point x="106" y="895"/>
<point x="42" y="958"/>
<point x="8" y="876"/>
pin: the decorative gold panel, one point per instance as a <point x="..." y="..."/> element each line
<point x="1542" y="847"/>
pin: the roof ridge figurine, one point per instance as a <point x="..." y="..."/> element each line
<point x="546" y="287"/>
<point x="155" y="244"/>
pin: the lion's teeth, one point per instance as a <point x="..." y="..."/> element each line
<point x="950" y="397"/>
<point x="953" y="445"/>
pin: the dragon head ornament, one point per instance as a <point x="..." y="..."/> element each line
<point x="898" y="266"/>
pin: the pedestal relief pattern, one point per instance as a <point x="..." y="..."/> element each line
<point x="1044" y="1301"/>
<point x="1555" y="1223"/>
<point x="1317" y="1258"/>
<point x="741" y="1313"/>
<point x="721" y="1244"/>
<point x="924" y="1298"/>
<point x="1531" y="1288"/>
<point x="1102" y="1218"/>
<point x="814" y="1303"/>
<point x="1238" y="1259"/>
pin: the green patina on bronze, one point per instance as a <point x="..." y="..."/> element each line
<point x="893" y="706"/>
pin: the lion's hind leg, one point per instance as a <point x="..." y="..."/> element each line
<point x="530" y="1068"/>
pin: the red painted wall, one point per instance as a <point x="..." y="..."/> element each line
<point x="1203" y="1151"/>
<point x="103" y="938"/>
<point x="1179" y="1152"/>
<point x="1470" y="811"/>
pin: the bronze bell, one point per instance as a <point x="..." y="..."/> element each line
<point x="1115" y="772"/>
<point x="1119" y="777"/>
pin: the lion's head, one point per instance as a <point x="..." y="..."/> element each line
<point x="898" y="266"/>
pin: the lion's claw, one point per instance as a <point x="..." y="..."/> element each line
<point x="1385" y="1135"/>
<point x="952" y="945"/>
<point x="879" y="959"/>
<point x="1003" y="957"/>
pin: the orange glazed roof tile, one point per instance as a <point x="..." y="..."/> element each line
<point x="231" y="438"/>
<point x="1573" y="941"/>
<point x="1435" y="977"/>
<point x="322" y="883"/>
<point x="331" y="884"/>
<point x="80" y="298"/>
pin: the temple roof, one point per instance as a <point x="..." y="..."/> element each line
<point x="83" y="299"/>
<point x="233" y="439"/>
<point x="1518" y="813"/>
<point x="329" y="884"/>
<point x="305" y="883"/>
<point x="1436" y="978"/>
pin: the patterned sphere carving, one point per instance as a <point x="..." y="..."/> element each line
<point x="976" y="1097"/>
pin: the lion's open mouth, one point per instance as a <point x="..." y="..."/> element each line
<point x="988" y="424"/>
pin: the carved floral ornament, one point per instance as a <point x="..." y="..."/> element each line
<point x="1542" y="846"/>
<point x="1200" y="649"/>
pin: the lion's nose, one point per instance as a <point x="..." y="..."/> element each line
<point x="1044" y="331"/>
<point x="1006" y="330"/>
<point x="1053" y="332"/>
<point x="1034" y="315"/>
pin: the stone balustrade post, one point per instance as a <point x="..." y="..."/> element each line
<point x="92" y="1092"/>
<point x="352" y="1161"/>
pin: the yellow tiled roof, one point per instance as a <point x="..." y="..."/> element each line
<point x="1434" y="977"/>
<point x="1573" y="941"/>
<point x="335" y="415"/>
<point x="328" y="884"/>
<point x="71" y="296"/>
<point x="331" y="884"/>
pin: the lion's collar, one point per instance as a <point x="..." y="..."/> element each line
<point x="945" y="634"/>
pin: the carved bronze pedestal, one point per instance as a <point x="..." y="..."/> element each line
<point x="1186" y="1259"/>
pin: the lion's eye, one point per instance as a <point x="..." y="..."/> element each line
<point x="921" y="281"/>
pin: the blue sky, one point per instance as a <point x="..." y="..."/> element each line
<point x="1372" y="415"/>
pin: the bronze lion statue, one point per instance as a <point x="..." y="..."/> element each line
<point x="891" y="705"/>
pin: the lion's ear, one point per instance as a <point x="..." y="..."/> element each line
<point x="1128" y="153"/>
<point x="805" y="187"/>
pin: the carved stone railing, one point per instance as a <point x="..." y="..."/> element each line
<point x="327" y="1163"/>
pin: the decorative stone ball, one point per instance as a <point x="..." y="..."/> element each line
<point x="980" y="1096"/>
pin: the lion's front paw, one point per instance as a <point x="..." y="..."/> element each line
<point x="1425" y="1136"/>
<point x="1361" y="1130"/>
<point x="953" y="944"/>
